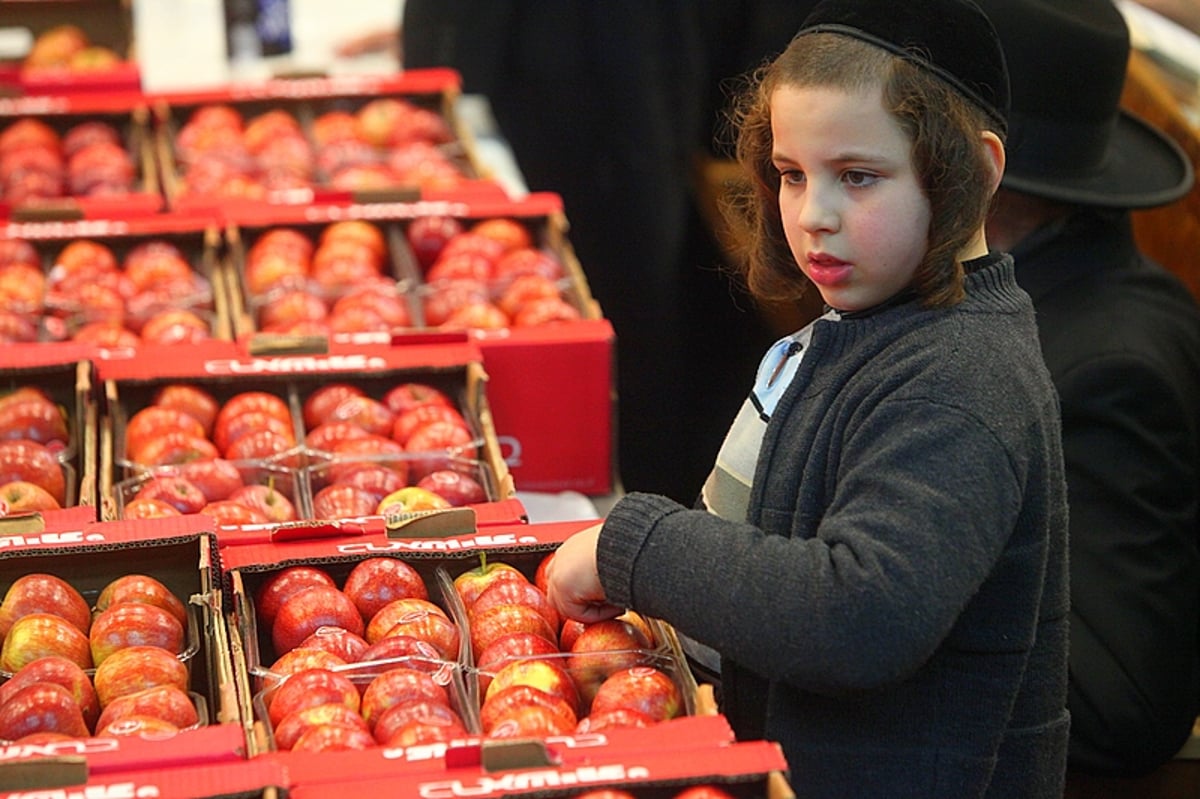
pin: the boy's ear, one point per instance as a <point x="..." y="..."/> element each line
<point x="993" y="148"/>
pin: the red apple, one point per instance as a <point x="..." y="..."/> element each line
<point x="319" y="406"/>
<point x="396" y="687"/>
<point x="428" y="235"/>
<point x="529" y="721"/>
<point x="41" y="707"/>
<point x="603" y="648"/>
<point x="268" y="500"/>
<point x="369" y="450"/>
<point x="513" y="646"/>
<point x="546" y="674"/>
<point x="22" y="496"/>
<point x="460" y="266"/>
<point x="705" y="791"/>
<point x="229" y="429"/>
<point x="309" y="688"/>
<point x="413" y="419"/>
<point x="326" y="437"/>
<point x="418" y="618"/>
<point x="38" y="592"/>
<point x="457" y="488"/>
<point x="521" y="290"/>
<point x="339" y="641"/>
<point x="263" y="444"/>
<point x="247" y="401"/>
<point x="376" y="582"/>
<point x="504" y="701"/>
<point x="303" y="657"/>
<point x="165" y="702"/>
<point x="145" y="508"/>
<point x="292" y="726"/>
<point x="472" y="582"/>
<point x="177" y="491"/>
<point x="136" y="668"/>
<point x="472" y="242"/>
<point x="290" y="307"/>
<point x="128" y="624"/>
<point x="357" y="230"/>
<point x="141" y="588"/>
<point x="35" y="418"/>
<point x="614" y="718"/>
<point x="227" y="513"/>
<point x="138" y="725"/>
<point x="509" y="232"/>
<point x="642" y="688"/>
<point x="434" y="443"/>
<point x="541" y="576"/>
<point x="276" y="589"/>
<point x="477" y="316"/>
<point x="439" y="301"/>
<point x="366" y="412"/>
<point x="418" y="722"/>
<point x="32" y="462"/>
<point x="193" y="400"/>
<point x="59" y="670"/>
<point x="343" y="502"/>
<point x="301" y="614"/>
<point x="407" y="396"/>
<point x="517" y="592"/>
<point x="333" y="738"/>
<point x="217" y="478"/>
<point x="498" y="620"/>
<point x="405" y="650"/>
<point x="153" y="421"/>
<point x="378" y="481"/>
<point x="173" y="448"/>
<point x="544" y="310"/>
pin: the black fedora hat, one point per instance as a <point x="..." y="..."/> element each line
<point x="1069" y="140"/>
<point x="951" y="38"/>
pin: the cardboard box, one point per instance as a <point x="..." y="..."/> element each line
<point x="225" y="369"/>
<point x="66" y="376"/>
<point x="182" y="554"/>
<point x="67" y="778"/>
<point x="318" y="172"/>
<point x="69" y="302"/>
<point x="551" y="386"/>
<point x="63" y="114"/>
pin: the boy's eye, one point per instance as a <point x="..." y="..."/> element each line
<point x="791" y="176"/>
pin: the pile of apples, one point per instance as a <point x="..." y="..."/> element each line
<point x="410" y="450"/>
<point x="34" y="435"/>
<point x="237" y="460"/>
<point x="542" y="675"/>
<point x="387" y="143"/>
<point x="115" y="669"/>
<point x="88" y="160"/>
<point x="67" y="48"/>
<point x="151" y="294"/>
<point x="337" y="284"/>
<point x="486" y="276"/>
<point x="368" y="663"/>
<point x="372" y="662"/>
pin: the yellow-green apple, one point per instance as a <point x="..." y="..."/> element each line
<point x="166" y="702"/>
<point x="59" y="670"/>
<point x="396" y="687"/>
<point x="507" y="648"/>
<point x="134" y="624"/>
<point x="376" y="582"/>
<point x="142" y="588"/>
<point x="292" y="726"/>
<point x="136" y="668"/>
<point x="308" y="688"/>
<point x="302" y="613"/>
<point x="22" y="496"/>
<point x="270" y="595"/>
<point x="41" y="707"/>
<point x="643" y="688"/>
<point x="35" y="635"/>
<point x="503" y="702"/>
<point x="410" y="499"/>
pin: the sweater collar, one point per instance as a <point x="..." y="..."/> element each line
<point x="990" y="274"/>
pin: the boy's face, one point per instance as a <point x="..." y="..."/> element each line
<point x="853" y="211"/>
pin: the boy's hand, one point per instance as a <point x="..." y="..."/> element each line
<point x="573" y="582"/>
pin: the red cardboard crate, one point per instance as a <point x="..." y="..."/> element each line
<point x="225" y="369"/>
<point x="188" y="308"/>
<point x="551" y="385"/>
<point x="182" y="554"/>
<point x="256" y="779"/>
<point x="61" y="114"/>
<point x="67" y="378"/>
<point x="329" y="161"/>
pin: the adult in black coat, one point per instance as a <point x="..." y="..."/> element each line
<point x="1121" y="337"/>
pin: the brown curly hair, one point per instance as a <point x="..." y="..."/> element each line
<point x="948" y="157"/>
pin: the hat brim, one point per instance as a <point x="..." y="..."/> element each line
<point x="1143" y="168"/>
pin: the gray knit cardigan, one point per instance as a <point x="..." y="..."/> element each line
<point x="894" y="609"/>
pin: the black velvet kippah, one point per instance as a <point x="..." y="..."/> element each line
<point x="952" y="38"/>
